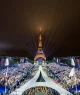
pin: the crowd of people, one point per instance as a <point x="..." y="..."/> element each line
<point x="11" y="74"/>
<point x="63" y="72"/>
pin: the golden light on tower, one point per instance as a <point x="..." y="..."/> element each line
<point x="40" y="53"/>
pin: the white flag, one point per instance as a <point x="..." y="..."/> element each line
<point x="6" y="62"/>
<point x="72" y="62"/>
<point x="57" y="60"/>
<point x="72" y="73"/>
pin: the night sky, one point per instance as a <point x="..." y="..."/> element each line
<point x="20" y="21"/>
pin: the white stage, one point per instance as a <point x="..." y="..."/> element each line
<point x="49" y="83"/>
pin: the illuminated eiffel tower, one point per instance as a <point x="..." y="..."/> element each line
<point x="40" y="54"/>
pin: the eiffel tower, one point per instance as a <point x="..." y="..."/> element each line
<point x="40" y="54"/>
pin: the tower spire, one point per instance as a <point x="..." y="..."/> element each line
<point x="40" y="41"/>
<point x="40" y="54"/>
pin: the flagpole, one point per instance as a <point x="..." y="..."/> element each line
<point x="7" y="69"/>
<point x="6" y="80"/>
<point x="5" y="86"/>
<point x="76" y="83"/>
